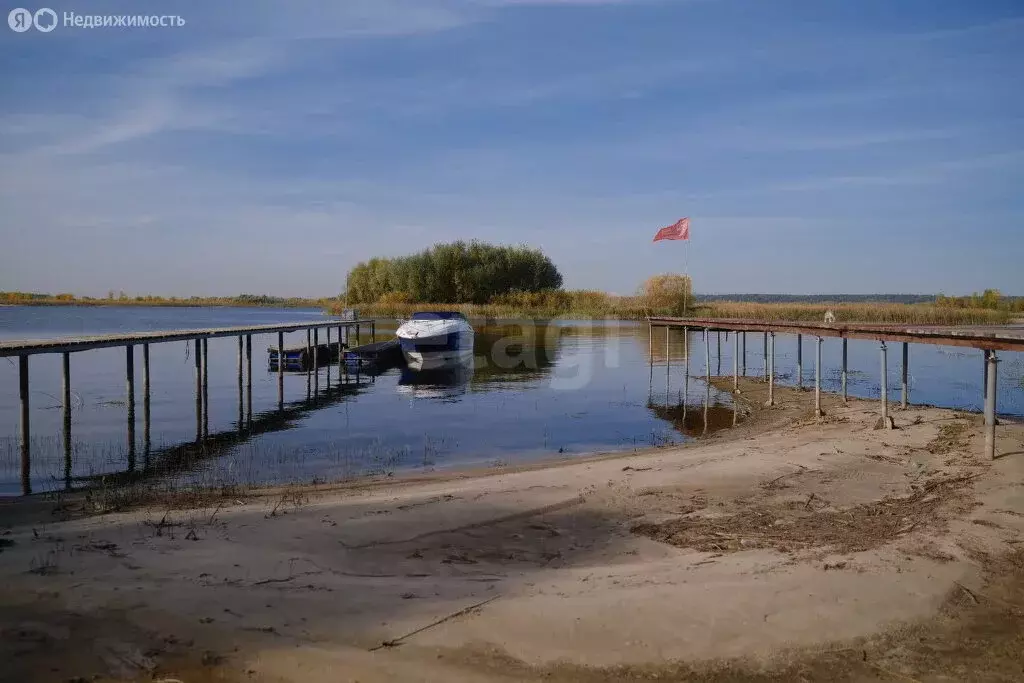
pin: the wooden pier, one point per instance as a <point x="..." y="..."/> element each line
<point x="986" y="338"/>
<point x="381" y="355"/>
<point x="200" y="337"/>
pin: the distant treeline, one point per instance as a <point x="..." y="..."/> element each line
<point x="122" y="299"/>
<point x="460" y="272"/>
<point x="990" y="299"/>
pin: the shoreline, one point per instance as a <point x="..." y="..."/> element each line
<point x="161" y="304"/>
<point x="846" y="312"/>
<point x="783" y="547"/>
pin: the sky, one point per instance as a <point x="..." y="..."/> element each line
<point x="818" y="146"/>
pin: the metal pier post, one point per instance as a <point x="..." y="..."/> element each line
<point x="241" y="395"/>
<point x="718" y="342"/>
<point x="984" y="381"/>
<point x="686" y="349"/>
<point x="905" y="397"/>
<point x="26" y="429"/>
<point x="248" y="380"/>
<point x="66" y="404"/>
<point x="147" y="439"/>
<point x="650" y="359"/>
<point x="766" y="355"/>
<point x="668" y="355"/>
<point x="844" y="370"/>
<point x="885" y="421"/>
<point x="129" y="369"/>
<point x="341" y="353"/>
<point x="280" y="370"/>
<point x="744" y="354"/>
<point x="686" y="387"/>
<point x="800" y="361"/>
<point x="206" y="387"/>
<point x="707" y="405"/>
<point x="199" y="389"/>
<point x="707" y="357"/>
<point x="736" y="363"/>
<point x="316" y="361"/>
<point x="817" y="380"/>
<point x="990" y="403"/>
<point x="668" y="373"/>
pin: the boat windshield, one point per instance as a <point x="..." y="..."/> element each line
<point x="438" y="315"/>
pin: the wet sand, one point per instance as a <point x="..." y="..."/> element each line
<point x="785" y="548"/>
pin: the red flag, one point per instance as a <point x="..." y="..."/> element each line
<point x="680" y="230"/>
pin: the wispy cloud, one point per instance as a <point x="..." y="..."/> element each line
<point x="923" y="174"/>
<point x="389" y="124"/>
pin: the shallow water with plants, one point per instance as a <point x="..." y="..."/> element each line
<point x="536" y="390"/>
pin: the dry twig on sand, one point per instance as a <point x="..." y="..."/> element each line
<point x="395" y="642"/>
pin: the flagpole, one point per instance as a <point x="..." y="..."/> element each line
<point x="686" y="273"/>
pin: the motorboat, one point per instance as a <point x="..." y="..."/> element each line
<point x="433" y="339"/>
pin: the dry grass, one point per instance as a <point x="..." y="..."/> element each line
<point x="797" y="525"/>
<point x="582" y="305"/>
<point x="917" y="314"/>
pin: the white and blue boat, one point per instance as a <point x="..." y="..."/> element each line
<point x="432" y="339"/>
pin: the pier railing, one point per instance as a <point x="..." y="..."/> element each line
<point x="986" y="338"/>
<point x="65" y="346"/>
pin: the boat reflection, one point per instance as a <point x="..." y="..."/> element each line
<point x="433" y="381"/>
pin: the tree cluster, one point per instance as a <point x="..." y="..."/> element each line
<point x="991" y="299"/>
<point x="670" y="292"/>
<point x="460" y="272"/>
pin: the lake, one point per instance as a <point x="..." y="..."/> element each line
<point x="537" y="390"/>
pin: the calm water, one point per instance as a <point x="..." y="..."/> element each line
<point x="542" y="390"/>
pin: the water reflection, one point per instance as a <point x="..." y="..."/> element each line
<point x="509" y="354"/>
<point x="446" y="383"/>
<point x="518" y="352"/>
<point x="189" y="456"/>
<point x="695" y="420"/>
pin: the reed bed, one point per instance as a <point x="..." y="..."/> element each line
<point x="911" y="314"/>
<point x="583" y="305"/>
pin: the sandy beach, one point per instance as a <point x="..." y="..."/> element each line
<point x="785" y="548"/>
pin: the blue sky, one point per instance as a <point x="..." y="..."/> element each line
<point x="819" y="146"/>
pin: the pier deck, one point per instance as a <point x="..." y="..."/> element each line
<point x="985" y="337"/>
